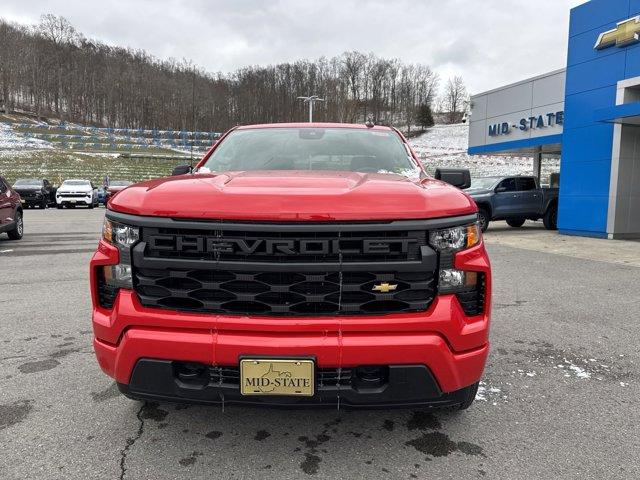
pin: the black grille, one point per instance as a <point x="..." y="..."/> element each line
<point x="284" y="293"/>
<point x="325" y="377"/>
<point x="472" y="302"/>
<point x="28" y="194"/>
<point x="285" y="269"/>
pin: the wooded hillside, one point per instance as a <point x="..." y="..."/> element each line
<point x="53" y="70"/>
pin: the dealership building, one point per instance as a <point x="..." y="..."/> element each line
<point x="587" y="113"/>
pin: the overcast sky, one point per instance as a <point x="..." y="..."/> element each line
<point x="488" y="42"/>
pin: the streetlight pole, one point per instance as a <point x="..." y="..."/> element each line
<point x="311" y="100"/>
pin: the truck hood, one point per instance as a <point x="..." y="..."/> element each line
<point x="293" y="196"/>
<point x="478" y="191"/>
<point x="75" y="189"/>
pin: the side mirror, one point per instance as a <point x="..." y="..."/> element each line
<point x="181" y="170"/>
<point x="458" y="177"/>
<point x="501" y="189"/>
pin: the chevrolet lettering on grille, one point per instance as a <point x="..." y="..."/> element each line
<point x="204" y="244"/>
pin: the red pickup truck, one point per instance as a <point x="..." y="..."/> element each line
<point x="297" y="264"/>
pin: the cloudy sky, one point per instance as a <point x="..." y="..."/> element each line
<point x="488" y="42"/>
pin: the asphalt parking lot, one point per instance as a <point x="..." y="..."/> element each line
<point x="559" y="397"/>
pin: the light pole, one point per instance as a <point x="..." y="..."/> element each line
<point x="311" y="100"/>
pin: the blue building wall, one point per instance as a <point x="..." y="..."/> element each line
<point x="591" y="84"/>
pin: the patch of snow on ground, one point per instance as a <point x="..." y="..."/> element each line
<point x="11" y="140"/>
<point x="574" y="369"/>
<point x="446" y="146"/>
<point x="485" y="392"/>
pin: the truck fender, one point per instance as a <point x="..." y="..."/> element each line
<point x="487" y="207"/>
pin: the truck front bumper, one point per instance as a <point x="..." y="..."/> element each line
<point x="74" y="201"/>
<point x="401" y="386"/>
<point x="431" y="358"/>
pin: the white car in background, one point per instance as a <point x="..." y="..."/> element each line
<point x="76" y="192"/>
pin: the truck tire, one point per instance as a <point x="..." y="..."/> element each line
<point x="516" y="222"/>
<point x="471" y="396"/>
<point x="18" y="230"/>
<point x="550" y="218"/>
<point x="483" y="219"/>
<point x="59" y="206"/>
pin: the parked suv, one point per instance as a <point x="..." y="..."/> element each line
<point x="76" y="192"/>
<point x="11" y="220"/>
<point x="299" y="264"/>
<point x="35" y="192"/>
<point x="514" y="199"/>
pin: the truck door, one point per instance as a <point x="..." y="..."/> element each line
<point x="505" y="200"/>
<point x="529" y="198"/>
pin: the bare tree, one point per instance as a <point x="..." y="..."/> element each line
<point x="52" y="70"/>
<point x="455" y="99"/>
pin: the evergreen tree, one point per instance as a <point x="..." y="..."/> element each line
<point x="424" y="118"/>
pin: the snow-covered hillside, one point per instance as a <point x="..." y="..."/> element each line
<point x="446" y="146"/>
<point x="11" y="141"/>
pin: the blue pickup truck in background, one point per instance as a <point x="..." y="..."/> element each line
<point x="514" y="199"/>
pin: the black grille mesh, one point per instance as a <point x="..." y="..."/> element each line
<point x="325" y="377"/>
<point x="236" y="269"/>
<point x="284" y="293"/>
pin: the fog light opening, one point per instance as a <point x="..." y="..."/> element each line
<point x="371" y="376"/>
<point x="190" y="372"/>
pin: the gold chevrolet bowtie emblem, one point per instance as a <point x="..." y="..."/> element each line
<point x="384" y="287"/>
<point x="624" y="34"/>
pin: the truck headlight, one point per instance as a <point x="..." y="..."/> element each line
<point x="455" y="238"/>
<point x="118" y="234"/>
<point x="111" y="278"/>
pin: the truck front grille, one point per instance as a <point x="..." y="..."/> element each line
<point x="285" y="269"/>
<point x="284" y="293"/>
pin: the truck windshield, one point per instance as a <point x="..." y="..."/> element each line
<point x="84" y="183"/>
<point x="345" y="149"/>
<point x="27" y="182"/>
<point x="486" y="182"/>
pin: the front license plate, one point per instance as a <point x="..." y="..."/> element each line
<point x="293" y="377"/>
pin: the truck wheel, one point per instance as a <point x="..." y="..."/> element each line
<point x="18" y="230"/>
<point x="59" y="206"/>
<point x="516" y="222"/>
<point x="550" y="218"/>
<point x="471" y="396"/>
<point x="483" y="219"/>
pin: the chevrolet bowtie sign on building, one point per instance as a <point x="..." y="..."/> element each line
<point x="625" y="33"/>
<point x="595" y="102"/>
